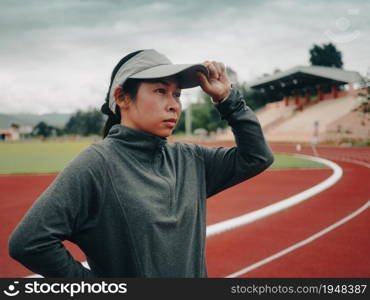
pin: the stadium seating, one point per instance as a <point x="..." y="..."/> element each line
<point x="300" y="126"/>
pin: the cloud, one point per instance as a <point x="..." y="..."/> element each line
<point x="58" y="55"/>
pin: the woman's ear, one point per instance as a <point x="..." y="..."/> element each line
<point x="122" y="100"/>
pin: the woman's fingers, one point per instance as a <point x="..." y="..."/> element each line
<point x="222" y="72"/>
<point x="204" y="81"/>
<point x="216" y="69"/>
<point x="217" y="85"/>
<point x="213" y="72"/>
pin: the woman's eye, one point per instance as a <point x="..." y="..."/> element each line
<point x="161" y="91"/>
<point x="164" y="91"/>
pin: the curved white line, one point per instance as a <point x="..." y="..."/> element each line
<point x="354" y="161"/>
<point x="283" y="204"/>
<point x="299" y="244"/>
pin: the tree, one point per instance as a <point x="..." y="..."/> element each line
<point x="42" y="129"/>
<point x="327" y="55"/>
<point x="254" y="98"/>
<point x="203" y="115"/>
<point x="85" y="123"/>
<point x="180" y="127"/>
<point x="364" y="108"/>
<point x="233" y="76"/>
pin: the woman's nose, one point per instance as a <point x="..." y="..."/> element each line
<point x="174" y="104"/>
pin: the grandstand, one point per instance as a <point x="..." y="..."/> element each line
<point x="311" y="100"/>
<point x="273" y="113"/>
<point x="300" y="126"/>
<point x="353" y="125"/>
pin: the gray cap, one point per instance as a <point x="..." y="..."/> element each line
<point x="149" y="64"/>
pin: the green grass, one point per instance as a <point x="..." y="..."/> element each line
<point x="284" y="161"/>
<point x="51" y="157"/>
<point x="38" y="157"/>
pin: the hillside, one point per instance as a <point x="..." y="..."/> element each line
<point x="54" y="119"/>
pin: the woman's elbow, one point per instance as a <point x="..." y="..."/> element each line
<point x="269" y="159"/>
<point x="13" y="249"/>
<point x="16" y="249"/>
<point x="266" y="161"/>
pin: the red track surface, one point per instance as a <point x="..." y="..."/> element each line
<point x="260" y="191"/>
<point x="18" y="193"/>
<point x="342" y="252"/>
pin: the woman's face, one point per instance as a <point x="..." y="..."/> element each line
<point x="156" y="109"/>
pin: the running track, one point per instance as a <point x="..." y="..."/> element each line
<point x="343" y="252"/>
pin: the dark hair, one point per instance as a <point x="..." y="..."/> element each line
<point x="130" y="87"/>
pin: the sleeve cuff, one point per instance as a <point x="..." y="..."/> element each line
<point x="220" y="101"/>
<point x="231" y="104"/>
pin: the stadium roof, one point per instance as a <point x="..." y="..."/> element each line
<point x="302" y="78"/>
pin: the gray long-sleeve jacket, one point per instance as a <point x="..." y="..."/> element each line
<point x="135" y="204"/>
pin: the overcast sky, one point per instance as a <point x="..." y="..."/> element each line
<point x="57" y="56"/>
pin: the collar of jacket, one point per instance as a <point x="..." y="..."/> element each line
<point x="137" y="139"/>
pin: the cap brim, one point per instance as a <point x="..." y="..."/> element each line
<point x="187" y="73"/>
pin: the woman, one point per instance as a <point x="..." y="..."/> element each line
<point x="135" y="204"/>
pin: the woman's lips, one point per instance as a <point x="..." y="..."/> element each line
<point x="170" y="122"/>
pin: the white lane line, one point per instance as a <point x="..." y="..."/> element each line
<point x="354" y="161"/>
<point x="283" y="204"/>
<point x="300" y="244"/>
<point x="271" y="209"/>
<point x="297" y="169"/>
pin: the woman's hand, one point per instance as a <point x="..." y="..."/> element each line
<point x="218" y="85"/>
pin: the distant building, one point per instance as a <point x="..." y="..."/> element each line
<point x="26" y="129"/>
<point x="10" y="134"/>
<point x="312" y="104"/>
<point x="296" y="85"/>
